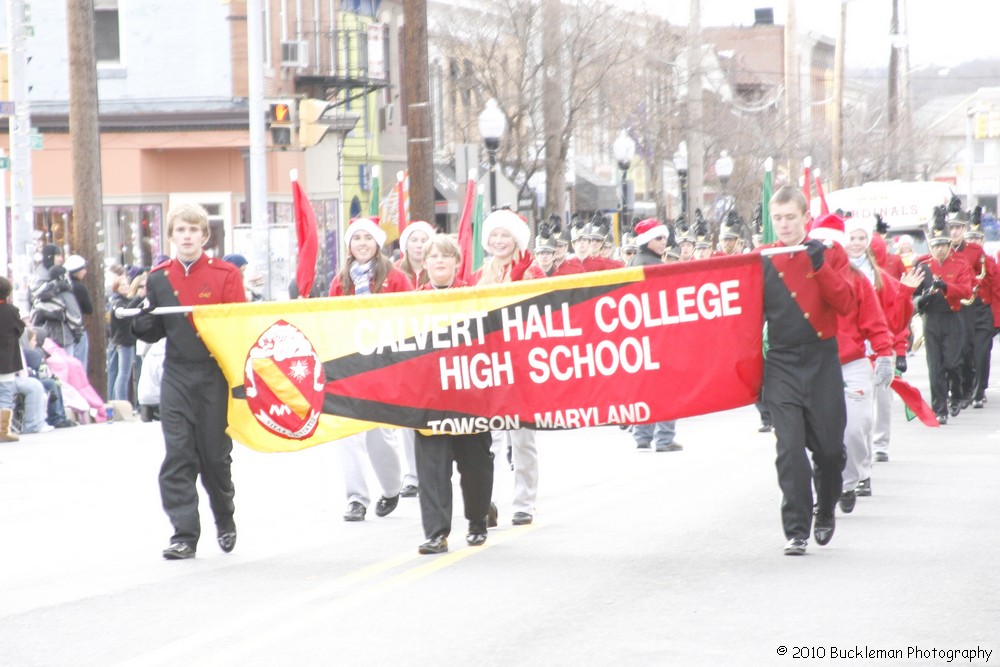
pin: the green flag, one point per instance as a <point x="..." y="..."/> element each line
<point x="766" y="230"/>
<point x="373" y="203"/>
<point x="477" y="233"/>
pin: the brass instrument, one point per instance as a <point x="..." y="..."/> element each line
<point x="975" y="288"/>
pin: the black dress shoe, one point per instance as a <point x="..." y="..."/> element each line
<point x="847" y="501"/>
<point x="942" y="419"/>
<point x="493" y="516"/>
<point x="435" y="545"/>
<point x="355" y="511"/>
<point x="978" y="404"/>
<point x="823" y="528"/>
<point x="385" y="506"/>
<point x="475" y="539"/>
<point x="227" y="539"/>
<point x="964" y="403"/>
<point x="409" y="491"/>
<point x="881" y="457"/>
<point x="864" y="487"/>
<point x="765" y="427"/>
<point x="521" y="519"/>
<point x="954" y="409"/>
<point x="796" y="547"/>
<point x="178" y="551"/>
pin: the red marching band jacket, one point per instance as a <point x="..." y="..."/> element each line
<point x="819" y="296"/>
<point x="395" y="281"/>
<point x="867" y="322"/>
<point x="569" y="266"/>
<point x="955" y="273"/>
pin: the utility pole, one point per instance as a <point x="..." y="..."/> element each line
<point x="21" y="203"/>
<point x="85" y="141"/>
<point x="257" y="196"/>
<point x="552" y="108"/>
<point x="793" y="116"/>
<point x="892" y="134"/>
<point x="695" y="137"/>
<point x="419" y="143"/>
<point x="905" y="103"/>
<point x="837" y="154"/>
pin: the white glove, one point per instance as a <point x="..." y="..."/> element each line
<point x="884" y="371"/>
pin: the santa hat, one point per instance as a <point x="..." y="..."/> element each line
<point x="365" y="225"/>
<point x="649" y="229"/>
<point x="415" y="226"/>
<point x="858" y="224"/>
<point x="829" y="227"/>
<point x="512" y="222"/>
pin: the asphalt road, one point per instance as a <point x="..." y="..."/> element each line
<point x="635" y="558"/>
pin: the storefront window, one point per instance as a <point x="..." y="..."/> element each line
<point x="132" y="234"/>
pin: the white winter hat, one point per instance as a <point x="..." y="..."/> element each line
<point x="512" y="222"/>
<point x="74" y="263"/>
<point x="365" y="225"/>
<point x="415" y="226"/>
<point x="858" y="224"/>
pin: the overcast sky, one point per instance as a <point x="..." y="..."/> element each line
<point x="941" y="32"/>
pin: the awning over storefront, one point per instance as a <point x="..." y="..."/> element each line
<point x="445" y="191"/>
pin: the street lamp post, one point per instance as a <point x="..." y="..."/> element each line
<point x="624" y="150"/>
<point x="681" y="164"/>
<point x="492" y="125"/>
<point x="724" y="169"/>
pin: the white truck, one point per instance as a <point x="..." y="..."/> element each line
<point x="906" y="207"/>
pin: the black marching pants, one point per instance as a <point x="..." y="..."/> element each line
<point x="193" y="404"/>
<point x="976" y="360"/>
<point x="436" y="454"/>
<point x="804" y="390"/>
<point x="944" y="337"/>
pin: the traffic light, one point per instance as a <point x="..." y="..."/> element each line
<point x="312" y="128"/>
<point x="281" y="122"/>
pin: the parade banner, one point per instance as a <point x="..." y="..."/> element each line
<point x="629" y="346"/>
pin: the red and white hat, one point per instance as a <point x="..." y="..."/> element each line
<point x="649" y="229"/>
<point x="829" y="227"/>
<point x="859" y="224"/>
<point x="415" y="226"/>
<point x="512" y="222"/>
<point x="369" y="225"/>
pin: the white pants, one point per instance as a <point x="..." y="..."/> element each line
<point x="407" y="435"/>
<point x="525" y="460"/>
<point x="378" y="446"/>
<point x="883" y="419"/>
<point x="858" y="396"/>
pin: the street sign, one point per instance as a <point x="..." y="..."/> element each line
<point x="37" y="141"/>
<point x="6" y="108"/>
<point x="4" y="163"/>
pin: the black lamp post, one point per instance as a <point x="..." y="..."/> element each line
<point x="492" y="124"/>
<point x="624" y="150"/>
<point x="724" y="169"/>
<point x="681" y="164"/>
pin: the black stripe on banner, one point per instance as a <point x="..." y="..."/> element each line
<point x="356" y="364"/>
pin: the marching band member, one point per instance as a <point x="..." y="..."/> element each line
<point x="804" y="292"/>
<point x="367" y="271"/>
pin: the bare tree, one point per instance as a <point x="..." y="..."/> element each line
<point x="509" y="52"/>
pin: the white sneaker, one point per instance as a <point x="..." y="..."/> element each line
<point x="46" y="428"/>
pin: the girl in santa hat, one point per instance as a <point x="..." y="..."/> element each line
<point x="411" y="243"/>
<point x="367" y="271"/>
<point x="505" y="237"/>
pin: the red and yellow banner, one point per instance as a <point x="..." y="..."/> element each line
<point x="629" y="346"/>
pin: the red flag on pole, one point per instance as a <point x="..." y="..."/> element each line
<point x="305" y="233"/>
<point x="402" y="203"/>
<point x="807" y="181"/>
<point x="465" y="240"/>
<point x="823" y="208"/>
<point x="915" y="402"/>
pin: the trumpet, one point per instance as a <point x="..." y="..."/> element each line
<point x="975" y="288"/>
